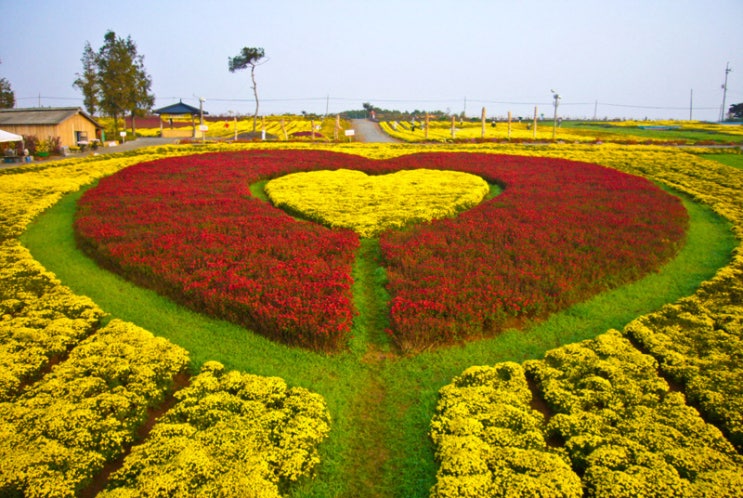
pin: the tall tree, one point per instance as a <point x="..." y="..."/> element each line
<point x="87" y="82"/>
<point x="141" y="97"/>
<point x="123" y="81"/>
<point x="248" y="58"/>
<point x="7" y="97"/>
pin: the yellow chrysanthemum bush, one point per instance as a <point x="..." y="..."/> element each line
<point x="231" y="434"/>
<point x="40" y="320"/>
<point x="371" y="204"/>
<point x="490" y="442"/>
<point x="61" y="431"/>
<point x="626" y="432"/>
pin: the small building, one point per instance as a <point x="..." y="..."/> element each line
<point x="72" y="125"/>
<point x="177" y="111"/>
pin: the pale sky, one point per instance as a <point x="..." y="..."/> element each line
<point x="615" y="58"/>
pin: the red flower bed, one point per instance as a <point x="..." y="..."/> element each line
<point x="189" y="228"/>
<point x="559" y="232"/>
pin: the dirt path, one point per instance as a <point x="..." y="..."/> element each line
<point x="369" y="131"/>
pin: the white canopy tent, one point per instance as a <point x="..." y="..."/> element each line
<point x="6" y="136"/>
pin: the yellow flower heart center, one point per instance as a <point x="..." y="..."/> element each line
<point x="371" y="204"/>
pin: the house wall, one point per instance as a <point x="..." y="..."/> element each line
<point x="65" y="130"/>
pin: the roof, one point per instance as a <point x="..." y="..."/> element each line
<point x="179" y="108"/>
<point x="41" y="116"/>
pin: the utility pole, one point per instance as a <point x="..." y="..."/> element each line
<point x="201" y="119"/>
<point x="724" y="92"/>
<point x="691" y="102"/>
<point x="556" y="96"/>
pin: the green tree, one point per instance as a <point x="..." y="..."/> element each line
<point x="248" y="58"/>
<point x="7" y="97"/>
<point x="87" y="82"/>
<point x="124" y="83"/>
<point x="736" y="110"/>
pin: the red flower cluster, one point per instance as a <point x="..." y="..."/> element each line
<point x="560" y="231"/>
<point x="189" y="228"/>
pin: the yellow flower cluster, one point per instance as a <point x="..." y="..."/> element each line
<point x="40" y="320"/>
<point x="229" y="433"/>
<point x="624" y="427"/>
<point x="523" y="130"/>
<point x="492" y="443"/>
<point x="441" y="131"/>
<point x="59" y="433"/>
<point x="276" y="127"/>
<point x="372" y="204"/>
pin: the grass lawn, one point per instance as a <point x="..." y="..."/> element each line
<point x="381" y="403"/>
<point x="734" y="160"/>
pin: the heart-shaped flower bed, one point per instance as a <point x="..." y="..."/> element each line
<point x="371" y="204"/>
<point x="560" y="232"/>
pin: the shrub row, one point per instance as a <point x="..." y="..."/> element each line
<point x="231" y="434"/>
<point x="626" y="433"/>
<point x="616" y="422"/>
<point x="39" y="319"/>
<point x="490" y="442"/>
<point x="58" y="434"/>
<point x="700" y="347"/>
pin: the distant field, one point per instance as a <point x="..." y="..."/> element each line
<point x="628" y="132"/>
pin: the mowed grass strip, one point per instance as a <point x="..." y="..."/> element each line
<point x="406" y="387"/>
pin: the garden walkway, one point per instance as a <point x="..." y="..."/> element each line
<point x="369" y="131"/>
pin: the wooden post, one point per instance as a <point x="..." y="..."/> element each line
<point x="534" y="135"/>
<point x="426" y="124"/>
<point x="337" y="126"/>
<point x="235" y="128"/>
<point x="482" y="119"/>
<point x="453" y="126"/>
<point x="263" y="127"/>
<point x="283" y="129"/>
<point x="509" y="125"/>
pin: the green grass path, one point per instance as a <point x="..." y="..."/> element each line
<point x="380" y="403"/>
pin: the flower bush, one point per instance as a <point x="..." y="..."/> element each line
<point x="625" y="431"/>
<point x="230" y="434"/>
<point x="59" y="433"/>
<point x="491" y="443"/>
<point x="370" y="205"/>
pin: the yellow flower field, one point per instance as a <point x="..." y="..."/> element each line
<point x="371" y="204"/>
